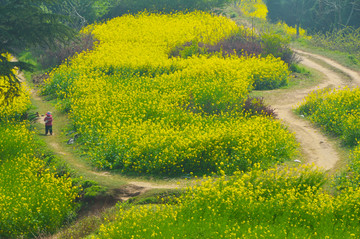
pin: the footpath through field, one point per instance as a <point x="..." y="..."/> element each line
<point x="121" y="187"/>
<point x="315" y="146"/>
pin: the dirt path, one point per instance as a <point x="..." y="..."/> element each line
<point x="120" y="186"/>
<point x="314" y="144"/>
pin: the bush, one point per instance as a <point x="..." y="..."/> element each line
<point x="33" y="199"/>
<point x="281" y="202"/>
<point x="337" y="111"/>
<point x="241" y="43"/>
<point x="256" y="106"/>
<point x="278" y="46"/>
<point x="50" y="57"/>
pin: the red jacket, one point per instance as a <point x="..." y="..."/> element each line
<point x="48" y="120"/>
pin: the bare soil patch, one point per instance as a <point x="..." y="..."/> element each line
<point x="315" y="146"/>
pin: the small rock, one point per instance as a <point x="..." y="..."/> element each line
<point x="302" y="116"/>
<point x="70" y="141"/>
<point x="298" y="161"/>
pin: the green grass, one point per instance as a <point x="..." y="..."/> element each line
<point x="57" y="143"/>
<point x="278" y="203"/>
<point x="306" y="78"/>
<point x="90" y="224"/>
<point x="341" y="57"/>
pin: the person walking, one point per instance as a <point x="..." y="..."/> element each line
<point x="48" y="123"/>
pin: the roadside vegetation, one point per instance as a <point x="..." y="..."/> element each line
<point x="275" y="203"/>
<point x="33" y="197"/>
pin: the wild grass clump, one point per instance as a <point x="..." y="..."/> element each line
<point x="351" y="176"/>
<point x="345" y="40"/>
<point x="281" y="202"/>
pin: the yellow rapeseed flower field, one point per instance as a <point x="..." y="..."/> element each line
<point x="140" y="110"/>
<point x="32" y="198"/>
<point x="281" y="202"/>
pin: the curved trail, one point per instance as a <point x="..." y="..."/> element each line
<point x="314" y="144"/>
<point x="120" y="187"/>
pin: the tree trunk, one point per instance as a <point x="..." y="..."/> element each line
<point x="298" y="30"/>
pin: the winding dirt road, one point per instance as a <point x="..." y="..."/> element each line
<point x="314" y="144"/>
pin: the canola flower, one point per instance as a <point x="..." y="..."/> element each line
<point x="252" y="8"/>
<point x="259" y="10"/>
<point x="139" y="110"/>
<point x="18" y="105"/>
<point x="336" y="110"/>
<point x="281" y="202"/>
<point x="32" y="198"/>
<point x="350" y="177"/>
<point x="292" y="30"/>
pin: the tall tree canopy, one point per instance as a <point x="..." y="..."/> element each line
<point x="293" y="12"/>
<point x="82" y="12"/>
<point x="25" y="23"/>
<point x="121" y="7"/>
<point x="317" y="15"/>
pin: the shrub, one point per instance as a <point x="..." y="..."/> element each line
<point x="241" y="43"/>
<point x="257" y="106"/>
<point x="278" y="46"/>
<point x="50" y="57"/>
<point x="281" y="202"/>
<point x="337" y="111"/>
<point x="33" y="199"/>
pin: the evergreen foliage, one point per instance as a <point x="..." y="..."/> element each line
<point x="25" y="23"/>
<point x="318" y="15"/>
<point x="134" y="6"/>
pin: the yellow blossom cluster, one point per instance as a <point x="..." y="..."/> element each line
<point x="336" y="110"/>
<point x="281" y="202"/>
<point x="19" y="104"/>
<point x="259" y="10"/>
<point x="33" y="199"/>
<point x="139" y="110"/>
<point x="292" y="30"/>
<point x="252" y="8"/>
<point x="351" y="177"/>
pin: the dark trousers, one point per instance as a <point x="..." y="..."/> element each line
<point x="48" y="128"/>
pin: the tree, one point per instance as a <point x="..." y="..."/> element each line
<point x="166" y="6"/>
<point x="82" y="12"/>
<point x="25" y="23"/>
<point x="340" y="13"/>
<point x="323" y="15"/>
<point x="293" y="12"/>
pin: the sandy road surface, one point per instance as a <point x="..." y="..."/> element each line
<point x="314" y="144"/>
